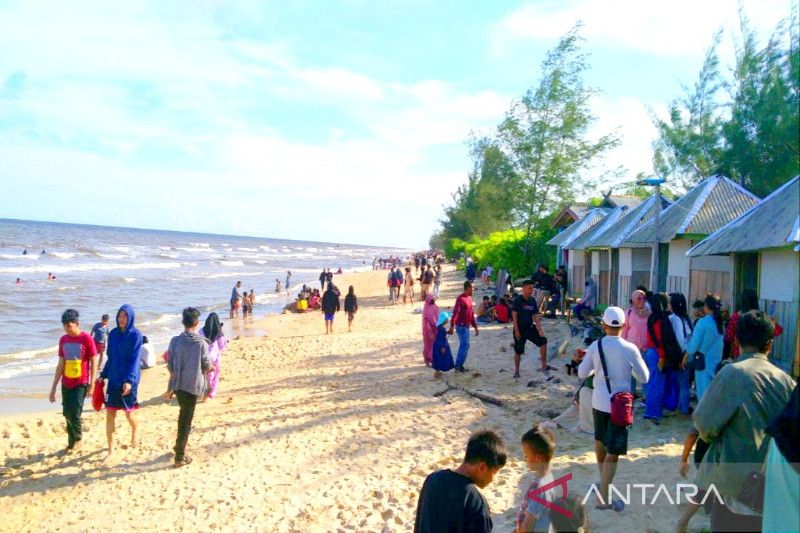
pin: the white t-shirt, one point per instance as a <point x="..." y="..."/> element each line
<point x="680" y="325"/>
<point x="622" y="360"/>
<point x="147" y="356"/>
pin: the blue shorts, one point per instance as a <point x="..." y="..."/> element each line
<point x="115" y="401"/>
<point x="328" y="317"/>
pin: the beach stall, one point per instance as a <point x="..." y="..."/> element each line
<point x="711" y="204"/>
<point x="601" y="258"/>
<point x="606" y="243"/>
<point x="763" y="245"/>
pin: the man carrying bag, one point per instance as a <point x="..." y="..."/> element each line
<point x="613" y="361"/>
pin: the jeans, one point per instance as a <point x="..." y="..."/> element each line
<point x="187" y="403"/>
<point x="463" y="345"/>
<point x="655" y="387"/>
<point x="682" y="379"/>
<point x="72" y="408"/>
<point x="436" y="288"/>
<point x="578" y="309"/>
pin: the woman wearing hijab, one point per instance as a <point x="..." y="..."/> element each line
<point x="122" y="373"/>
<point x="212" y="331"/>
<point x="430" y="317"/>
<point x="442" y="354"/>
<point x="707" y="340"/>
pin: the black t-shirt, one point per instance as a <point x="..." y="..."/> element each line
<point x="525" y="310"/>
<point x="427" y="277"/>
<point x="451" y="503"/>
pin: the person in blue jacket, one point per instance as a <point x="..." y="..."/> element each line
<point x="122" y="373"/>
<point x="442" y="355"/>
<point x="707" y="339"/>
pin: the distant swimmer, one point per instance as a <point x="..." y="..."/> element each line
<point x="277" y="285"/>
<point x="42" y="252"/>
<point x="288" y="280"/>
<point x="25" y="252"/>
<point x="50" y="276"/>
<point x="19" y="281"/>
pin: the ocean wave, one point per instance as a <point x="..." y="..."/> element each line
<point x="168" y="256"/>
<point x="28" y="367"/>
<point x="29" y="354"/>
<point x="241" y="249"/>
<point x="63" y="255"/>
<point x="88" y="267"/>
<point x="110" y="256"/>
<point x="65" y="288"/>
<point x="124" y="249"/>
<point x="230" y="275"/>
<point x="20" y="256"/>
<point x="200" y="244"/>
<point x="129" y="280"/>
<point x="160" y="320"/>
<point x="229" y="263"/>
<point x="196" y="250"/>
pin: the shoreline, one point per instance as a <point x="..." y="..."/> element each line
<point x="318" y="433"/>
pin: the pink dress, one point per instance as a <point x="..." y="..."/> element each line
<point x="215" y="350"/>
<point x="430" y="315"/>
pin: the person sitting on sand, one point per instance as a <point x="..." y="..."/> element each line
<point x="212" y="332"/>
<point x="188" y="362"/>
<point x="147" y="354"/>
<point x="350" y="307"/>
<point x="483" y="312"/>
<point x="442" y="355"/>
<point x="502" y="312"/>
<point x="122" y="373"/>
<point x="450" y="499"/>
<point x="314" y="300"/>
<point x="302" y="304"/>
<point x="76" y="369"/>
<point x="430" y="317"/>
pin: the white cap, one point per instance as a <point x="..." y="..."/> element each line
<point x="614" y="317"/>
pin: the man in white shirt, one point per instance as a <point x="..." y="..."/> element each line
<point x="622" y="359"/>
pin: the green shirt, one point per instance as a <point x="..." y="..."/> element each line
<point x="732" y="417"/>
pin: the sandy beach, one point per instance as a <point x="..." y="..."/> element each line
<point x="323" y="433"/>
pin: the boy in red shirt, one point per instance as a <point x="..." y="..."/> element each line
<point x="77" y="367"/>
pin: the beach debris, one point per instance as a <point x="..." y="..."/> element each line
<point x="486" y="398"/>
<point x="563" y="347"/>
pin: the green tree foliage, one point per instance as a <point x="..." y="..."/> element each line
<point x="482" y="205"/>
<point x="506" y="249"/>
<point x="688" y="147"/>
<point x="746" y="128"/>
<point x="544" y="136"/>
<point x="536" y="161"/>
<point x="762" y="137"/>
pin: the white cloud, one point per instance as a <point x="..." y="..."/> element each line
<point x="678" y="29"/>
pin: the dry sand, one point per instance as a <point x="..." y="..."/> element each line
<point x="321" y="433"/>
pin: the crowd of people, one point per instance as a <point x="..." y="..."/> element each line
<point x="741" y="400"/>
<point x="193" y="359"/>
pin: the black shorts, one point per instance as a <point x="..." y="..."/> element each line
<point x="531" y="334"/>
<point x="613" y="437"/>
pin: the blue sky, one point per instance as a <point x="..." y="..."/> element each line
<point x="335" y="121"/>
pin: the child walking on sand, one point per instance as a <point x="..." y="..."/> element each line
<point x="77" y="366"/>
<point x="350" y="306"/>
<point x="538" y="447"/>
<point x="442" y="355"/>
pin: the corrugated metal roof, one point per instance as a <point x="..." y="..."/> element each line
<point x="771" y="223"/>
<point x="612" y="236"/>
<point x="583" y="242"/>
<point x="621" y="200"/>
<point x="578" y="227"/>
<point x="709" y="206"/>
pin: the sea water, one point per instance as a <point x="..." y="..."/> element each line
<point x="98" y="269"/>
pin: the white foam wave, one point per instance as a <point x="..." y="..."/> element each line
<point x="110" y="256"/>
<point x="124" y="249"/>
<point x="241" y="249"/>
<point x="129" y="280"/>
<point x="196" y="250"/>
<point x="19" y="256"/>
<point x="31" y="367"/>
<point x="29" y="354"/>
<point x="89" y="267"/>
<point x="63" y="255"/>
<point x="230" y="263"/>
<point x="200" y="244"/>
